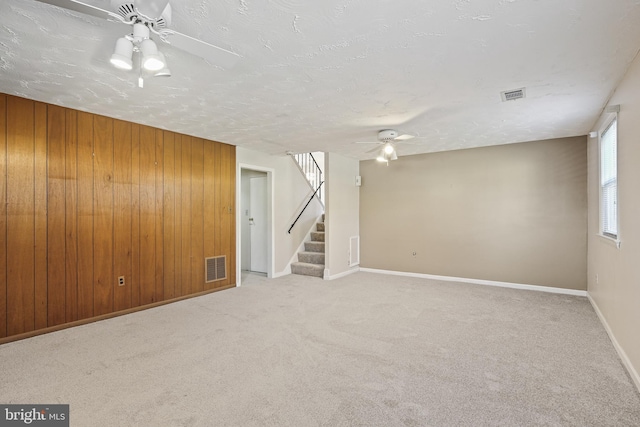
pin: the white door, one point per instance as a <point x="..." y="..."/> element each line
<point x="258" y="223"/>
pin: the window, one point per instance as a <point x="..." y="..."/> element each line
<point x="609" y="180"/>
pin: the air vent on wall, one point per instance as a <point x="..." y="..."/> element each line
<point x="215" y="268"/>
<point x="512" y="95"/>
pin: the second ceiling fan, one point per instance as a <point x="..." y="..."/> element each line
<point x="387" y="138"/>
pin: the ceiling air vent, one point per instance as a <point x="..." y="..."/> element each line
<point x="512" y="95"/>
<point x="215" y="268"/>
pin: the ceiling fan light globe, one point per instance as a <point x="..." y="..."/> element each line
<point x="388" y="148"/>
<point x="151" y="59"/>
<point x="165" y="71"/>
<point x="386" y="157"/>
<point x="122" y="54"/>
<point x="121" y="62"/>
<point x="148" y="47"/>
<point x="152" y="63"/>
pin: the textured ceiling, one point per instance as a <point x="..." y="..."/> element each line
<point x="319" y="75"/>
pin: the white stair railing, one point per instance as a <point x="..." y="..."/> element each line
<point x="311" y="170"/>
<point x="313" y="174"/>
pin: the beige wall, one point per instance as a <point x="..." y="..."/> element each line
<point x="513" y="213"/>
<point x="617" y="291"/>
<point x="342" y="212"/>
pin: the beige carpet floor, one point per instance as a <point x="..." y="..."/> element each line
<point x="364" y="350"/>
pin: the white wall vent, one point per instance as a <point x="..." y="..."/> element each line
<point x="354" y="251"/>
<point x="512" y="95"/>
<point x="215" y="268"/>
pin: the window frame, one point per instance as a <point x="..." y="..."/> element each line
<point x="603" y="129"/>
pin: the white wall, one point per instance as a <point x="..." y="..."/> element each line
<point x="290" y="193"/>
<point x="342" y="213"/>
<point x="616" y="292"/>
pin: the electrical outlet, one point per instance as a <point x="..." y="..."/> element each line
<point x="121" y="281"/>
<point x="597" y="281"/>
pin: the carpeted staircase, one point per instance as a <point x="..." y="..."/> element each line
<point x="311" y="260"/>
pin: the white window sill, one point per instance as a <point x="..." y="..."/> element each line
<point x="610" y="240"/>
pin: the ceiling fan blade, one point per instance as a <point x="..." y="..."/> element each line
<point x="367" y="142"/>
<point x="210" y="53"/>
<point x="87" y="9"/>
<point x="404" y="137"/>
<point x="152" y="9"/>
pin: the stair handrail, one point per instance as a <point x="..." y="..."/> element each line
<point x="305" y="207"/>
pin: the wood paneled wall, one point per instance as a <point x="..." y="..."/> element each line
<point x="85" y="199"/>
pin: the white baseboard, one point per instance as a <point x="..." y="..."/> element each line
<point x="623" y="356"/>
<point x="328" y="276"/>
<point x="480" y="282"/>
<point x="285" y="272"/>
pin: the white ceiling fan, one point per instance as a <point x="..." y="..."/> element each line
<point x="149" y="19"/>
<point x="387" y="138"/>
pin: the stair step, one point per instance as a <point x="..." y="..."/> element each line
<point x="311" y="257"/>
<point x="317" y="236"/>
<point x="314" y="247"/>
<point x="306" y="269"/>
<point x="320" y="226"/>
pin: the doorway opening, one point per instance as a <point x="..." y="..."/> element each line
<point x="255" y="221"/>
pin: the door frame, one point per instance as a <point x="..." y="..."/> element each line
<point x="270" y="215"/>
